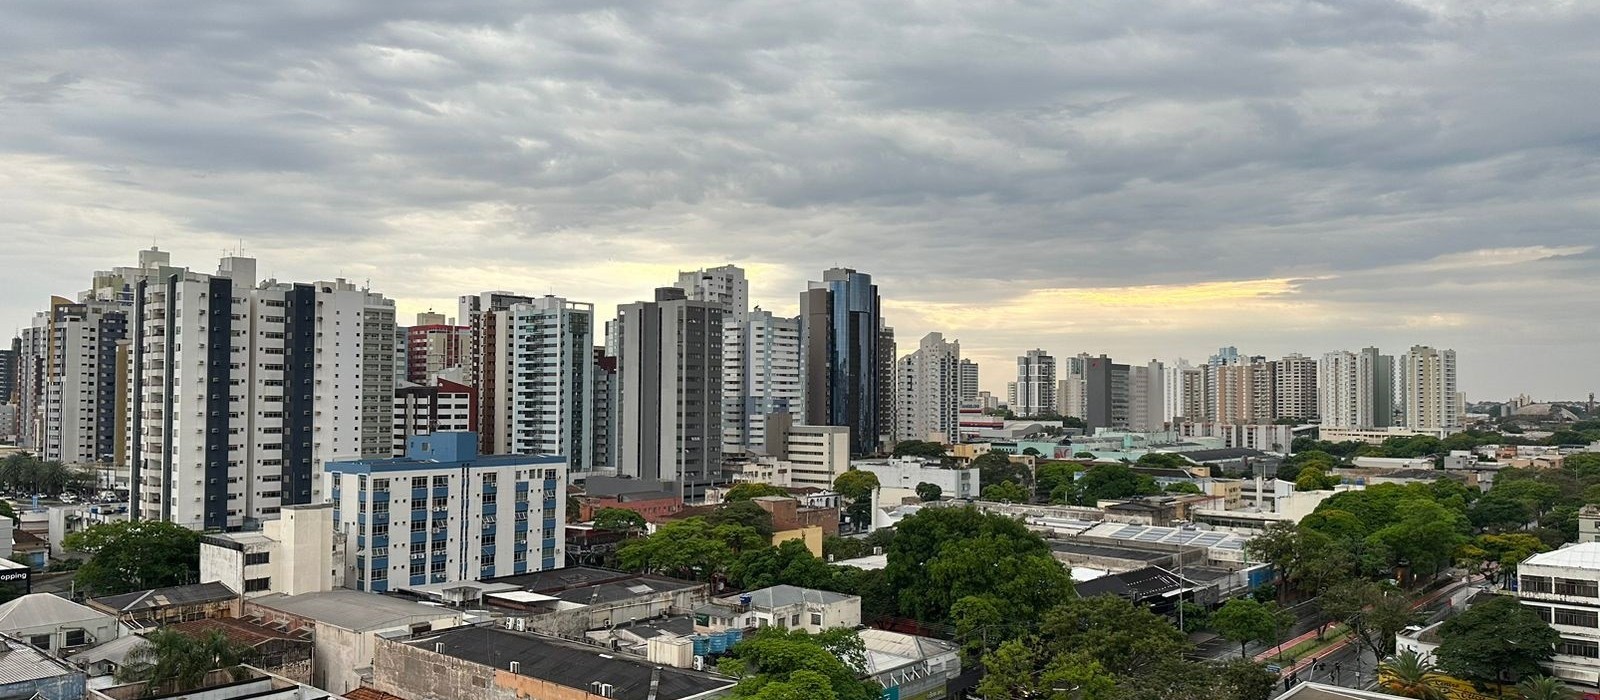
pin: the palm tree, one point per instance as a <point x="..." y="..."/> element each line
<point x="171" y="661"/>
<point x="1409" y="675"/>
<point x="1544" y="688"/>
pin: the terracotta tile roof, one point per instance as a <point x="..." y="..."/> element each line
<point x="365" y="693"/>
<point x="239" y="631"/>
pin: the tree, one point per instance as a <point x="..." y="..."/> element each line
<point x="1111" y="482"/>
<point x="941" y="555"/>
<point x="1005" y="491"/>
<point x="751" y="489"/>
<point x="1020" y="668"/>
<point x="1053" y="480"/>
<point x="1162" y="460"/>
<point x="1497" y="640"/>
<point x="1314" y="479"/>
<point x="929" y="492"/>
<point x="779" y="664"/>
<point x="1244" y="620"/>
<point x="1277" y="545"/>
<point x="135" y="555"/>
<point x="8" y="511"/>
<point x="1375" y="613"/>
<point x="1235" y="679"/>
<point x="1544" y="688"/>
<point x="171" y="661"/>
<point x="1425" y="534"/>
<point x="1411" y="676"/>
<point x="619" y="520"/>
<point x="995" y="467"/>
<point x="789" y="563"/>
<point x="919" y="448"/>
<point x="1498" y="511"/>
<point x="691" y="548"/>
<point x="1181" y="487"/>
<point x="1124" y="638"/>
<point x="744" y="514"/>
<point x="856" y="486"/>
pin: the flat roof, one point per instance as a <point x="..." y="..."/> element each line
<point x="567" y="664"/>
<point x="1100" y="550"/>
<point x="355" y="610"/>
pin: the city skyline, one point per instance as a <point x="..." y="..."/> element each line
<point x="1148" y="181"/>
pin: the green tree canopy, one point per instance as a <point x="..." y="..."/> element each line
<point x="1496" y="640"/>
<point x="941" y="555"/>
<point x="790" y="563"/>
<point x="929" y="492"/>
<point x="995" y="467"/>
<point x="1244" y="620"/>
<point x="691" y="548"/>
<point x="170" y="661"/>
<point x="856" y="485"/>
<point x="779" y="664"/>
<point x="618" y="520"/>
<point x="1112" y="481"/>
<point x="751" y="489"/>
<point x="1124" y="638"/>
<point x="1021" y="668"/>
<point x="744" y="514"/>
<point x="1005" y="491"/>
<point x="135" y="555"/>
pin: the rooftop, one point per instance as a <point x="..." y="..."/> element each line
<point x="1140" y="584"/>
<point x="1224" y="454"/>
<point x="157" y="598"/>
<point x="779" y="596"/>
<point x="1585" y="555"/>
<point x="239" y="631"/>
<point x="1186" y="537"/>
<point x="1100" y="550"/>
<point x="355" y="610"/>
<point x="567" y="664"/>
<point x="21" y="663"/>
<point x="44" y="609"/>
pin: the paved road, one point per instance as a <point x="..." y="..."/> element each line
<point x="1307" y="617"/>
<point x="1353" y="666"/>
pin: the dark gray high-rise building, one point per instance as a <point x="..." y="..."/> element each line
<point x="669" y="390"/>
<point x="1107" y="388"/>
<point x="847" y="358"/>
<point x="1380" y="386"/>
<point x="8" y="370"/>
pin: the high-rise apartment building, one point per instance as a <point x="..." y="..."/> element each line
<point x="1356" y="390"/>
<point x="669" y="372"/>
<point x="846" y="369"/>
<point x="928" y="391"/>
<point x="434" y="345"/>
<point x="441" y="406"/>
<point x="604" y="414"/>
<point x="969" y="381"/>
<point x="1428" y="389"/>
<point x="725" y="286"/>
<point x="1294" y="388"/>
<point x="1175" y="399"/>
<point x="1146" y="396"/>
<point x="1377" y="375"/>
<point x="242" y="392"/>
<point x="442" y="513"/>
<point x="484" y="369"/>
<point x="540" y="387"/>
<point x="8" y="371"/>
<point x="760" y="376"/>
<point x="1107" y="385"/>
<point x="1036" y="384"/>
<point x="77" y="412"/>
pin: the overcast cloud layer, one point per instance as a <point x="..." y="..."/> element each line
<point x="1143" y="178"/>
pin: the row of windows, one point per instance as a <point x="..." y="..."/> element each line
<point x="1561" y="586"/>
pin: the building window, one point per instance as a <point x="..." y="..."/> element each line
<point x="40" y="641"/>
<point x="1536" y="584"/>
<point x="256" y="585"/>
<point x="254" y="558"/>
<point x="794" y="620"/>
<point x="1577" y="587"/>
<point x="1576" y="618"/>
<point x="816" y="619"/>
<point x="1578" y="647"/>
<point x="76" y="638"/>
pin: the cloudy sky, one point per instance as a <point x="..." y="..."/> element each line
<point x="1144" y="178"/>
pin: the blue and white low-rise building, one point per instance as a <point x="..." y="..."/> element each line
<point x="443" y="513"/>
